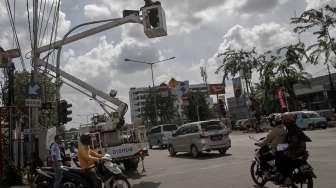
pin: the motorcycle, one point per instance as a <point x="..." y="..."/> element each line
<point x="109" y="176"/>
<point x="263" y="168"/>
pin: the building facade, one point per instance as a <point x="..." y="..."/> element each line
<point x="317" y="95"/>
<point x="137" y="97"/>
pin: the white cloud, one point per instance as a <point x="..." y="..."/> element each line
<point x="259" y="6"/>
<point x="264" y="37"/>
<point x="315" y="4"/>
<point x="96" y="11"/>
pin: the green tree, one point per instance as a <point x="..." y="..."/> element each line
<point x="167" y="111"/>
<point x="282" y="68"/>
<point x="21" y="81"/>
<point x="265" y="90"/>
<point x="289" y="68"/>
<point x="197" y="108"/>
<point x="241" y="62"/>
<point x="159" y="109"/>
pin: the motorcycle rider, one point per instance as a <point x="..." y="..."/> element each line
<point x="87" y="159"/>
<point x="296" y="140"/>
<point x="277" y="134"/>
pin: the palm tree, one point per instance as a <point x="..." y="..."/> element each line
<point x="325" y="21"/>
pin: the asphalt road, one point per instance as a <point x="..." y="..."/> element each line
<point x="212" y="170"/>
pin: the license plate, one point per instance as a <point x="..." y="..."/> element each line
<point x="216" y="137"/>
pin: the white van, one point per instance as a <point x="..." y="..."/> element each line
<point x="200" y="136"/>
<point x="159" y="135"/>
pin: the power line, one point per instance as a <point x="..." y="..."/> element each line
<point x="30" y="33"/>
<point x="54" y="28"/>
<point x="11" y="21"/>
<point x="14" y="5"/>
<point x="46" y="25"/>
<point x="42" y="20"/>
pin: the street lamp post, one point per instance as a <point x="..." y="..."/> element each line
<point x="151" y="67"/>
<point x="150" y="64"/>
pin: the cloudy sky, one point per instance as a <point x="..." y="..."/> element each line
<point x="197" y="31"/>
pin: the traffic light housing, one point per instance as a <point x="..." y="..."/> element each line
<point x="154" y="21"/>
<point x="64" y="112"/>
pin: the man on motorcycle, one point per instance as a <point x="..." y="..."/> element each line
<point x="296" y="139"/>
<point x="87" y="159"/>
<point x="277" y="135"/>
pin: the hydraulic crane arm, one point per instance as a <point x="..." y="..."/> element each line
<point x="121" y="106"/>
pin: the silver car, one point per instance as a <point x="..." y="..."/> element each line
<point x="159" y="135"/>
<point x="200" y="136"/>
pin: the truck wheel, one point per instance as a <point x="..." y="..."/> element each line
<point x="222" y="151"/>
<point x="194" y="151"/>
<point x="131" y="165"/>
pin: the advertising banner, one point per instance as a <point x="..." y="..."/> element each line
<point x="215" y="89"/>
<point x="281" y="97"/>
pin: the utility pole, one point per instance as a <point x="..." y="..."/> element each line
<point x="35" y="39"/>
<point x="332" y="88"/>
<point x="33" y="112"/>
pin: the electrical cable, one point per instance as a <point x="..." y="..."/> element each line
<point x="53" y="29"/>
<point x="42" y="20"/>
<point x="14" y="12"/>
<point x="15" y="33"/>
<point x="46" y="26"/>
<point x="29" y="26"/>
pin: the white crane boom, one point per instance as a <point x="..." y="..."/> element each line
<point x="121" y="106"/>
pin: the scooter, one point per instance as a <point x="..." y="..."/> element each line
<point x="110" y="176"/>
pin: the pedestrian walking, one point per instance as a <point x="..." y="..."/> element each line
<point x="56" y="158"/>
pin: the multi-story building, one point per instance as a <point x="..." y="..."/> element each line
<point x="138" y="97"/>
<point x="316" y="95"/>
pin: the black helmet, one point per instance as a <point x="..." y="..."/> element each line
<point x="85" y="139"/>
<point x="275" y="120"/>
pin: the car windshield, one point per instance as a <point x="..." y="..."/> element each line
<point x="169" y="128"/>
<point x="211" y="125"/>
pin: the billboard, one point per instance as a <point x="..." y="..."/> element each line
<point x="215" y="89"/>
<point x="281" y="97"/>
<point x="237" y="86"/>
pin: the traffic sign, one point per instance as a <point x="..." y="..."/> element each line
<point x="33" y="103"/>
<point x="34" y="90"/>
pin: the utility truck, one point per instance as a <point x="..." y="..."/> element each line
<point x="127" y="145"/>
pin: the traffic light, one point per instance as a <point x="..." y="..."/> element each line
<point x="64" y="112"/>
<point x="154" y="21"/>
